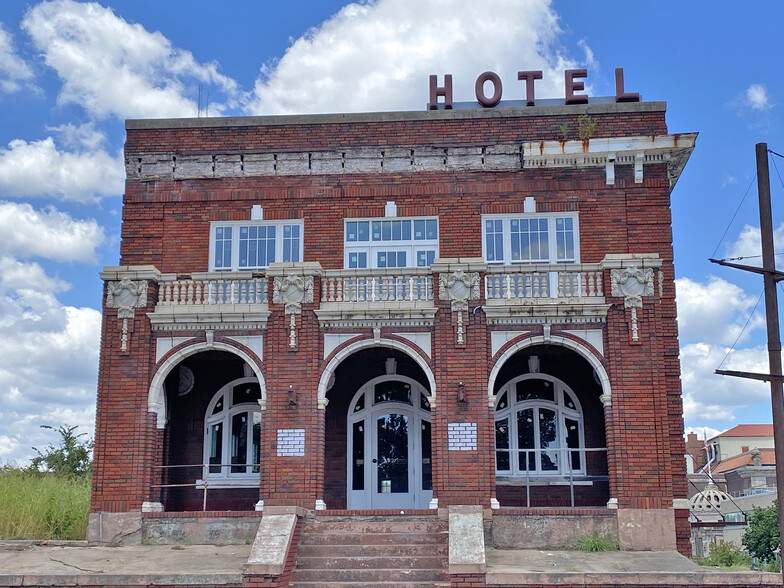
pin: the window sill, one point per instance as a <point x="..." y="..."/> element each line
<point x="540" y="480"/>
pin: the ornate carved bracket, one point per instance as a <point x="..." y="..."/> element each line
<point x="292" y="291"/>
<point x="459" y="287"/>
<point x="126" y="296"/>
<point x="632" y="283"/>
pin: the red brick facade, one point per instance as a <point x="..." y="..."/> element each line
<point x="616" y="349"/>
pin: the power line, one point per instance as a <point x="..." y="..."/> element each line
<point x="743" y="330"/>
<point x="734" y="215"/>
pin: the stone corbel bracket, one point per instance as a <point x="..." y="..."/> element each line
<point x="293" y="287"/>
<point x="633" y="283"/>
<point x="459" y="287"/>
<point x="126" y="290"/>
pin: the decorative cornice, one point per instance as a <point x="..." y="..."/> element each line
<point x="546" y="314"/>
<point x="674" y="150"/>
<point x="376" y="319"/>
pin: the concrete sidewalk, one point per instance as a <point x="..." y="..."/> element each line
<point x="74" y="563"/>
<point x="509" y="567"/>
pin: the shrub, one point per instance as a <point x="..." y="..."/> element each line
<point x="726" y="555"/>
<point x="761" y="539"/>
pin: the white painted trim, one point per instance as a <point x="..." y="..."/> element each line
<point x="156" y="399"/>
<point x="366" y="344"/>
<point x="583" y="351"/>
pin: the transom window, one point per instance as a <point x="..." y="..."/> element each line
<point x="249" y="245"/>
<point x="538" y="428"/>
<point x="530" y="238"/>
<point x="385" y="243"/>
<point x="232" y="434"/>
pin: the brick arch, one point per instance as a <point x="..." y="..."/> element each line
<point x="156" y="399"/>
<point x="349" y="348"/>
<point x="585" y="351"/>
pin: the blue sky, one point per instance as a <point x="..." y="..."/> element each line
<point x="72" y="72"/>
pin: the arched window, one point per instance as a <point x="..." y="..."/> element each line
<point x="538" y="420"/>
<point x="232" y="432"/>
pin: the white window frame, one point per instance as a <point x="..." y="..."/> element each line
<point x="552" y="242"/>
<point x="227" y="478"/>
<point x="235" y="241"/>
<point x="410" y="246"/>
<point x="562" y="412"/>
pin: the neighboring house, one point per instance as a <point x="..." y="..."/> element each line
<point x="740" y="439"/>
<point x="394" y="312"/>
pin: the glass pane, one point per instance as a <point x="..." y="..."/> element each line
<point x="406" y="226"/>
<point x="392" y="391"/>
<point x="377" y="230"/>
<point x="216" y="448"/>
<point x="572" y="441"/>
<point x="360" y="403"/>
<point x="424" y="403"/>
<point x="218" y="406"/>
<point x="397" y="230"/>
<point x="363" y="231"/>
<point x="239" y="442"/>
<point x="548" y="439"/>
<point x="419" y="230"/>
<point x="256" y="454"/>
<point x="568" y="401"/>
<point x="502" y="442"/>
<point x="502" y="402"/>
<point x="392" y="456"/>
<point x="525" y="439"/>
<point x="432" y="229"/>
<point x="386" y="230"/>
<point x="427" y="466"/>
<point x="245" y="393"/>
<point x="351" y="231"/>
<point x="358" y="456"/>
<point x="535" y="390"/>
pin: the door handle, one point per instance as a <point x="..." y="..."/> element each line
<point x="375" y="460"/>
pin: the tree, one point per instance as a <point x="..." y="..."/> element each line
<point x="73" y="457"/>
<point x="761" y="539"/>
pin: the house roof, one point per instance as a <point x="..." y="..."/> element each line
<point x="767" y="458"/>
<point x="747" y="431"/>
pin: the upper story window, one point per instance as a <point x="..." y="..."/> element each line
<point x="249" y="245"/>
<point x="390" y="242"/>
<point x="530" y="238"/>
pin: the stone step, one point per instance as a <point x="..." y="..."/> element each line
<point x="337" y="562"/>
<point x="334" y="539"/>
<point x="396" y="576"/>
<point x="393" y="584"/>
<point x="373" y="549"/>
<point x="416" y="526"/>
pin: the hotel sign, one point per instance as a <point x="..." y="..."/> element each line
<point x="571" y="88"/>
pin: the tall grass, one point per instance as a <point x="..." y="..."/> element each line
<point x="42" y="506"/>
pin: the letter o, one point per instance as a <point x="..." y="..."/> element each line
<point x="479" y="88"/>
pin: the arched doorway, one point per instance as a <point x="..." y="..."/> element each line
<point x="389" y="445"/>
<point x="378" y="409"/>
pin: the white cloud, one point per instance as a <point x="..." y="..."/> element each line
<point x="715" y="311"/>
<point x="114" y="68"/>
<point x="702" y="433"/>
<point x="39" y="168"/>
<point x="711" y="397"/>
<point x="14" y="72"/>
<point x="26" y="232"/>
<point x="50" y="359"/>
<point x="757" y="97"/>
<point x="749" y="246"/>
<point x="378" y="56"/>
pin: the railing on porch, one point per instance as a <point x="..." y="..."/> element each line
<point x="205" y="483"/>
<point x="370" y="285"/>
<point x="528" y="283"/>
<point x="212" y="288"/>
<point x="563" y="459"/>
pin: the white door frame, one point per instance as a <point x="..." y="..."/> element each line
<point x="368" y="497"/>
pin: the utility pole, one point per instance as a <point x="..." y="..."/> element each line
<point x="771" y="277"/>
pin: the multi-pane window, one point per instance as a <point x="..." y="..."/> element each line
<point x="249" y="245"/>
<point x="538" y="428"/>
<point x="387" y="243"/>
<point x="233" y="433"/>
<point x="530" y="238"/>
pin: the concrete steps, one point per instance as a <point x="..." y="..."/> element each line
<point x="372" y="552"/>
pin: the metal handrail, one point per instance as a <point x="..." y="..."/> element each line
<point x="567" y="461"/>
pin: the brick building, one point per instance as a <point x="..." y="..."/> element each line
<point x="409" y="311"/>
